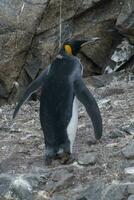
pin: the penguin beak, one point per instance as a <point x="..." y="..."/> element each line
<point x="91" y="40"/>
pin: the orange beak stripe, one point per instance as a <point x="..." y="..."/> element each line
<point x="68" y="49"/>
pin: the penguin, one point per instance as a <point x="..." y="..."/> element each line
<point x="62" y="87"/>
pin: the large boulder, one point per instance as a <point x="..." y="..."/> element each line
<point x="29" y="37"/>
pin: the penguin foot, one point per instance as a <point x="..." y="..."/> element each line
<point x="48" y="160"/>
<point x="66" y="158"/>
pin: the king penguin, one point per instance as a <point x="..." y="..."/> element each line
<point x="61" y="87"/>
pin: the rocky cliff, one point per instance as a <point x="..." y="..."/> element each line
<point x="29" y="37"/>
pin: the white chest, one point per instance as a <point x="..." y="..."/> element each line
<point x="73" y="124"/>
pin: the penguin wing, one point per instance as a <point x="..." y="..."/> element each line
<point x="33" y="87"/>
<point x="89" y="102"/>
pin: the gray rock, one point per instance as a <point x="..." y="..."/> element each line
<point x="5" y="181"/>
<point x="21" y="189"/>
<point x="125" y="22"/>
<point x="29" y="31"/>
<point x="93" y="191"/>
<point x="128" y="151"/>
<point x="58" y="197"/>
<point x="131" y="197"/>
<point x="104" y="102"/>
<point x="18" y="24"/>
<point x="114" y="191"/>
<point x="87" y="158"/>
<point x="130" y="129"/>
<point x="59" y="180"/>
<point x="129" y="171"/>
<point x="130" y="188"/>
<point x="123" y="52"/>
<point x="116" y="134"/>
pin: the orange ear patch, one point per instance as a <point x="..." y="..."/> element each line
<point x="68" y="49"/>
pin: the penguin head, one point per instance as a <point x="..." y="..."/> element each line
<point x="72" y="46"/>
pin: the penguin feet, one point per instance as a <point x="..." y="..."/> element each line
<point x="66" y="158"/>
<point x="48" y="160"/>
<point x="50" y="155"/>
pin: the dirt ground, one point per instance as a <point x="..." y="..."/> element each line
<point x="22" y="143"/>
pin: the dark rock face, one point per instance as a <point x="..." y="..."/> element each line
<point x="29" y="37"/>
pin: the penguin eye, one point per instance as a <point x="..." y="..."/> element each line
<point x="68" y="49"/>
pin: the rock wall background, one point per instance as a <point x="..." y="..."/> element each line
<point x="29" y="38"/>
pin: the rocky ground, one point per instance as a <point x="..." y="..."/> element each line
<point x="104" y="170"/>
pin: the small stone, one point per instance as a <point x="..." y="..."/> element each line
<point x="131" y="197"/>
<point x="91" y="142"/>
<point x="128" y="151"/>
<point x="21" y="189"/>
<point x="130" y="129"/>
<point x="42" y="195"/>
<point x="61" y="179"/>
<point x="129" y="170"/>
<point x="116" y="134"/>
<point x="58" y="197"/>
<point x="115" y="191"/>
<point x="115" y="144"/>
<point x="103" y="102"/>
<point x="5" y="181"/>
<point x="87" y="158"/>
<point x="130" y="188"/>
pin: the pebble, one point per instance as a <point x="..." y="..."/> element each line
<point x="116" y="134"/>
<point x="87" y="158"/>
<point x="129" y="170"/>
<point x="131" y="197"/>
<point x="112" y="144"/>
<point x="21" y="188"/>
<point x="103" y="102"/>
<point x="128" y="151"/>
<point x="130" y="129"/>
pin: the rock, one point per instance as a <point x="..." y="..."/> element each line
<point x="131" y="197"/>
<point x="115" y="191"/>
<point x="125" y="22"/>
<point x="128" y="151"/>
<point x="130" y="188"/>
<point x="16" y="33"/>
<point x="21" y="189"/>
<point x="129" y="170"/>
<point x="5" y="181"/>
<point x="58" y="197"/>
<point x="116" y="134"/>
<point x="87" y="158"/>
<point x="29" y="31"/>
<point x="112" y="145"/>
<point x="103" y="102"/>
<point x="42" y="195"/>
<point x="130" y="129"/>
<point x="93" y="191"/>
<point x="123" y="52"/>
<point x="59" y="180"/>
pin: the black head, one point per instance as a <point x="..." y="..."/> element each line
<point x="72" y="46"/>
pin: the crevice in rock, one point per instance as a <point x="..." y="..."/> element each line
<point x="126" y="64"/>
<point x="30" y="46"/>
<point x="31" y="3"/>
<point x="97" y="69"/>
<point x="92" y="8"/>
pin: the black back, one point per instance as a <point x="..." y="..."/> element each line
<point x="57" y="99"/>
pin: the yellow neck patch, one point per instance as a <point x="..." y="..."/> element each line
<point x="68" y="49"/>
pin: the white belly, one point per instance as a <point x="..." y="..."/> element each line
<point x="73" y="124"/>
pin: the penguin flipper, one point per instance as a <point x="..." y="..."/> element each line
<point x="33" y="87"/>
<point x="89" y="102"/>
